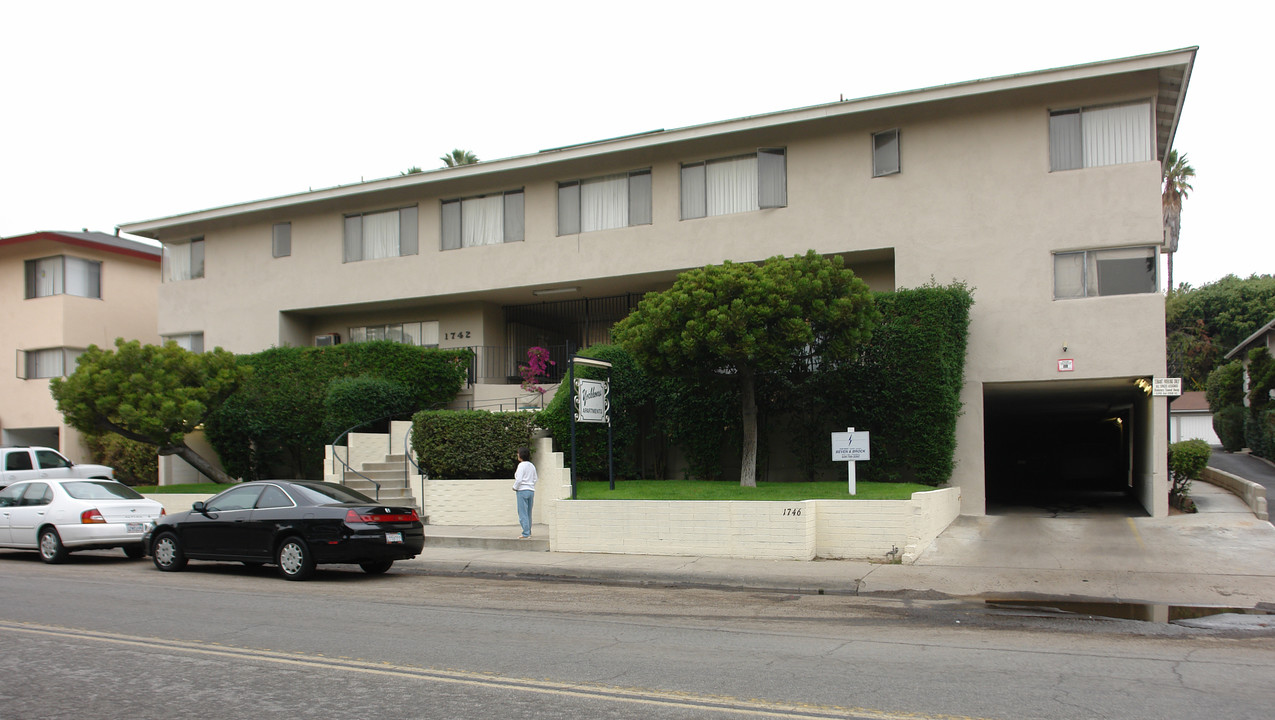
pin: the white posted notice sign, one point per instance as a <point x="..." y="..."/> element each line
<point x="850" y="446"/>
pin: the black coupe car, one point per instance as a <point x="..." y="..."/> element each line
<point x="294" y="524"/>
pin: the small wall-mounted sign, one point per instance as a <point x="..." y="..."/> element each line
<point x="1066" y="365"/>
<point x="1166" y="387"/>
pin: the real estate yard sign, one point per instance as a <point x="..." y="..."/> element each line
<point x="850" y="447"/>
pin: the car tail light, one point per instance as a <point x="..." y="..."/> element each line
<point x="357" y="517"/>
<point x="162" y="512"/>
<point x="91" y="516"/>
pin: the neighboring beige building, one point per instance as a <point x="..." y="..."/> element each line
<point x="1039" y="190"/>
<point x="64" y="291"/>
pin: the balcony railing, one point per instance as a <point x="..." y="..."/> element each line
<point x="498" y="364"/>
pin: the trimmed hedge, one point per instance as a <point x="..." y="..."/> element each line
<point x="1228" y="423"/>
<point x="1259" y="433"/>
<point x="905" y="388"/>
<point x="355" y="401"/>
<point x="275" y="424"/>
<point x="456" y="444"/>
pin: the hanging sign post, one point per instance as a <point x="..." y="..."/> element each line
<point x="591" y="403"/>
<point x="850" y="447"/>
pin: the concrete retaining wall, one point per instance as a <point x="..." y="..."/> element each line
<point x="491" y="501"/>
<point x="1251" y="493"/>
<point x="863" y="529"/>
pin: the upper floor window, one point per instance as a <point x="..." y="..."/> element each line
<point x="1092" y="137"/>
<point x="184" y="260"/>
<point x="281" y="239"/>
<point x="735" y="184"/>
<point x="193" y="342"/>
<point x="424" y="334"/>
<point x="484" y="220"/>
<point x="1091" y="273"/>
<point x="602" y="203"/>
<point x="390" y="233"/>
<point x="885" y="153"/>
<point x="64" y="275"/>
<point x="47" y="363"/>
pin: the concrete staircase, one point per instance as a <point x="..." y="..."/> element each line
<point x="395" y="485"/>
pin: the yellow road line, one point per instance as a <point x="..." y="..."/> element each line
<point x="1136" y="535"/>
<point x="685" y="700"/>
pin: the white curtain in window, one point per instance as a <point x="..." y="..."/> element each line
<point x="1114" y="135"/>
<point x="82" y="278"/>
<point x="48" y="277"/>
<point x="732" y="185"/>
<point x="1069" y="275"/>
<point x="380" y="235"/>
<point x="604" y="203"/>
<point x="429" y="333"/>
<point x="693" y="201"/>
<point x="177" y="259"/>
<point x="482" y="221"/>
<point x="47" y="363"/>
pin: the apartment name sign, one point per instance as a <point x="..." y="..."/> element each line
<point x="593" y="399"/>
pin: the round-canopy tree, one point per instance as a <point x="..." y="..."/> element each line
<point x="151" y="394"/>
<point x="742" y="320"/>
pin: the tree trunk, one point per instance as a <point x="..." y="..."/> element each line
<point x="1170" y="263"/>
<point x="183" y="451"/>
<point x="748" y="399"/>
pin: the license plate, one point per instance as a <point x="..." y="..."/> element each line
<point x="135" y="527"/>
<point x="394" y="537"/>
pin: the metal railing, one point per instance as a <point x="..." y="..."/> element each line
<point x="498" y="364"/>
<point x="389" y="449"/>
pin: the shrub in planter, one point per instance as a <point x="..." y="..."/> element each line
<point x="1187" y="460"/>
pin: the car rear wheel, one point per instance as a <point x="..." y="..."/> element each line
<point x="51" y="548"/>
<point x="167" y="553"/>
<point x="295" y="561"/>
<point x="376" y="567"/>
<point x="134" y="552"/>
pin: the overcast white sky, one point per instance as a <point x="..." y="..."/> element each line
<point x="114" y="112"/>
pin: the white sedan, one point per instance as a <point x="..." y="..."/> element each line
<point x="56" y="516"/>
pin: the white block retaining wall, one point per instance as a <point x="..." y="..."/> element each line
<point x="863" y="529"/>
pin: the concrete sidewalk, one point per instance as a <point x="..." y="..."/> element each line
<point x="1222" y="556"/>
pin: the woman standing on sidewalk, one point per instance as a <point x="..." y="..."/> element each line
<point x="525" y="478"/>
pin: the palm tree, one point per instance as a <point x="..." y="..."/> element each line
<point x="1176" y="187"/>
<point x="459" y="157"/>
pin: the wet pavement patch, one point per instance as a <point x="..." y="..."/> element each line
<point x="1146" y="612"/>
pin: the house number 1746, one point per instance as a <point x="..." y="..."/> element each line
<point x="792" y="511"/>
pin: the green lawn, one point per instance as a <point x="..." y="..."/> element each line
<point x="193" y="488"/>
<point x="723" y="490"/>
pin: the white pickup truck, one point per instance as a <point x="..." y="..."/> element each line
<point x="33" y="463"/>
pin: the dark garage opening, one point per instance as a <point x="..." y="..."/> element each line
<point x="1064" y="447"/>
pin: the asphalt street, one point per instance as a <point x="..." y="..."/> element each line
<point x="104" y="637"/>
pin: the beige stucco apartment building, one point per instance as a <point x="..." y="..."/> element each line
<point x="64" y="291"/>
<point x="1039" y="190"/>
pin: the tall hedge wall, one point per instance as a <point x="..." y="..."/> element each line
<point x="904" y="388"/>
<point x="274" y="425"/>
